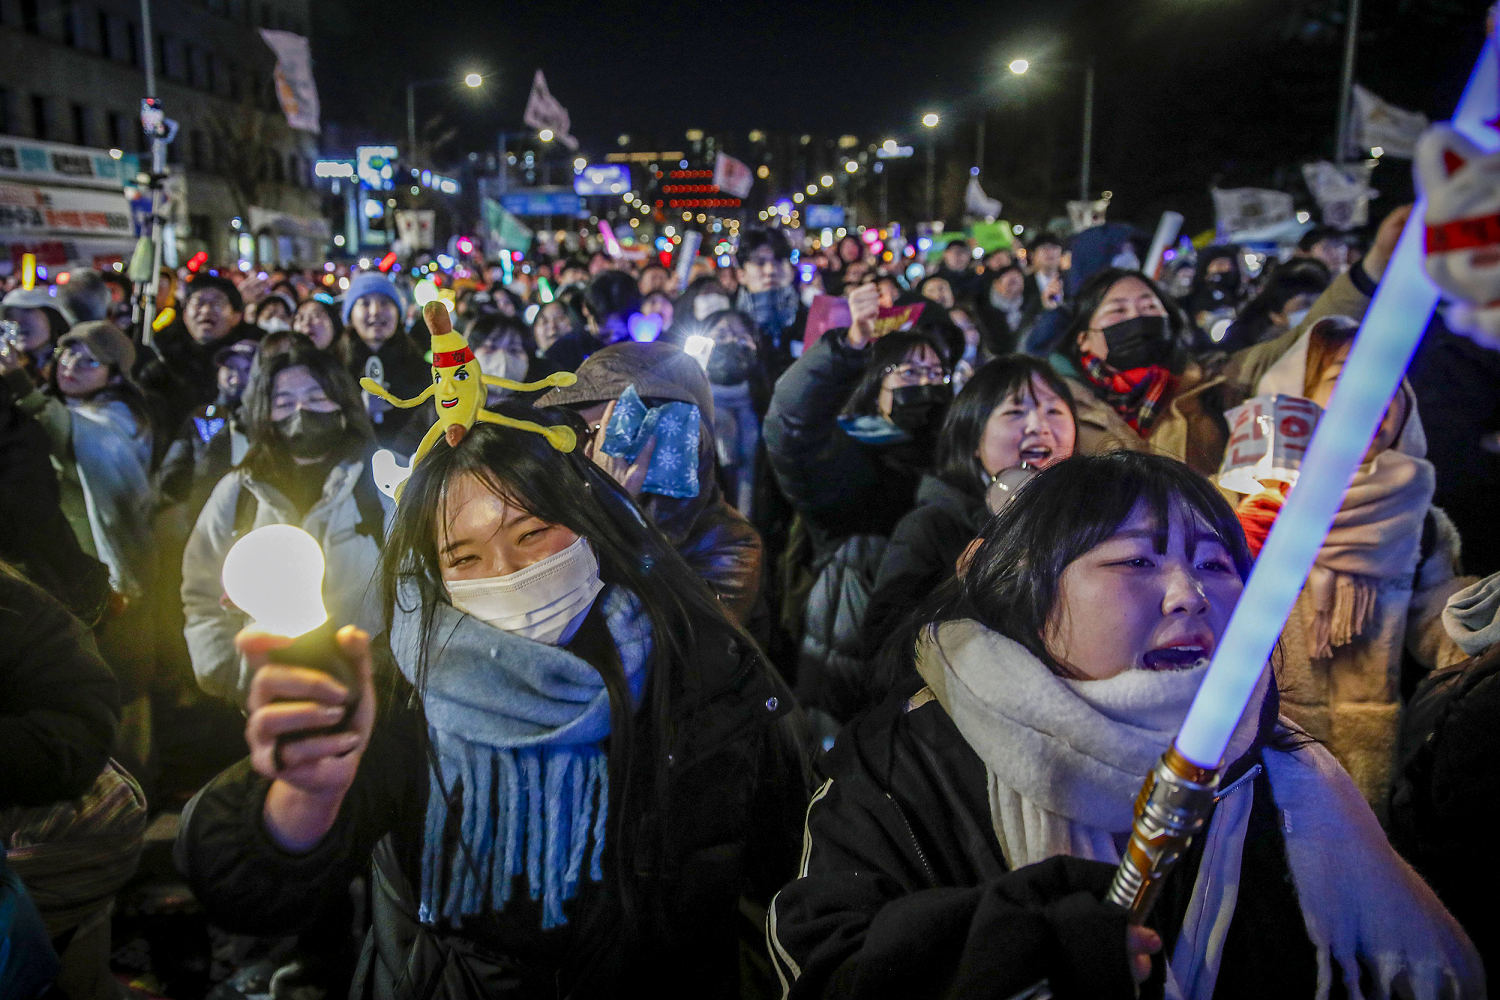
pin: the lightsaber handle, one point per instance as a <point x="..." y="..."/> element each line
<point x="1169" y="811"/>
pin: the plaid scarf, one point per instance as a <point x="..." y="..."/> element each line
<point x="1135" y="394"/>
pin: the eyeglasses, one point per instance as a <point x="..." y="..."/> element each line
<point x="908" y="374"/>
<point x="77" y="358"/>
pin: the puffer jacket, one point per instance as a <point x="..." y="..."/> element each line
<point x="735" y="793"/>
<point x="342" y="528"/>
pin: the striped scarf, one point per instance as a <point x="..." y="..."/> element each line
<point x="1135" y="394"/>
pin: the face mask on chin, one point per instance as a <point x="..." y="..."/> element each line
<point x="730" y="364"/>
<point x="543" y="602"/>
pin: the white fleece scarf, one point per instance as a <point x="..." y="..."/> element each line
<point x="1065" y="759"/>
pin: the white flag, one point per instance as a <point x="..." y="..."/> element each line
<point x="979" y="204"/>
<point x="1343" y="193"/>
<point x="1241" y="209"/>
<point x="415" y="228"/>
<point x="544" y="112"/>
<point x="1379" y="123"/>
<point x="1087" y="214"/>
<point x="732" y="177"/>
<point x="295" y="88"/>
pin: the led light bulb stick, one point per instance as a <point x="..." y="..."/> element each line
<point x="1178" y="795"/>
<point x="275" y="575"/>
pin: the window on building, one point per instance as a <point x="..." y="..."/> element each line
<point x="68" y="15"/>
<point x="80" y="116"/>
<point x="7" y="125"/>
<point x="40" y="127"/>
<point x="106" y="41"/>
<point x="31" y="21"/>
<point x="132" y="43"/>
<point x="116" y="127"/>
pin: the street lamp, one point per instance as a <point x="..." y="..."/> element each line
<point x="826" y="180"/>
<point x="471" y="80"/>
<point x="931" y="120"/>
<point x="1020" y="66"/>
<point x="546" y="135"/>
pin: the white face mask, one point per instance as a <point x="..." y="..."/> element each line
<point x="544" y="602"/>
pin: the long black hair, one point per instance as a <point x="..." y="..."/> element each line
<point x="267" y="456"/>
<point x="1014" y="577"/>
<point x="569" y="490"/>
<point x="963" y="428"/>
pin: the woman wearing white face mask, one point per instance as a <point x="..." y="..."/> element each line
<point x="579" y="764"/>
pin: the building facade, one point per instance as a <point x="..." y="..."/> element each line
<point x="73" y="72"/>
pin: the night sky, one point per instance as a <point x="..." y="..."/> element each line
<point x="1190" y="92"/>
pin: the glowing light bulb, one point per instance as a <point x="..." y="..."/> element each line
<point x="275" y="575"/>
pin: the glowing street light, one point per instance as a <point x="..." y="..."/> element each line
<point x="826" y="180"/>
<point x="851" y="167"/>
<point x="1020" y="66"/>
<point x="473" y="80"/>
<point x="546" y="135"/>
<point x="931" y="119"/>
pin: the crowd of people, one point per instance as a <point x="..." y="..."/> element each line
<point x="827" y="662"/>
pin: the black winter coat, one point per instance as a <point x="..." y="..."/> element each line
<point x="903" y="890"/>
<point x="735" y="798"/>
<point x="179" y="375"/>
<point x="59" y="703"/>
<point x="921" y="554"/>
<point x="405" y="374"/>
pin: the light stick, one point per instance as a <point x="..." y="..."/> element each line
<point x="1166" y="231"/>
<point x="687" y="252"/>
<point x="1177" y="795"/>
<point x="28" y="271"/>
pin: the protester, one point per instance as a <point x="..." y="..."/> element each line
<point x="957" y="269"/>
<point x="273" y="313"/>
<point x="1218" y="288"/>
<point x="970" y="825"/>
<point x="542" y="633"/>
<point x="380" y="349"/>
<point x="40" y="323"/>
<point x="319" y="322"/>
<point x="849" y="432"/>
<point x="86" y="296"/>
<point x="1014" y="412"/>
<point x="1326" y="245"/>
<point x="769" y="296"/>
<point x="713" y="539"/>
<point x="1285" y="298"/>
<point x="307" y="465"/>
<point x="1378" y="585"/>
<point x="179" y="371"/>
<point x="741" y="392"/>
<point x="1009" y="308"/>
<point x="610" y="300"/>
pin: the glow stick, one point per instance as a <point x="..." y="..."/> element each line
<point x="687" y="252"/>
<point x="1166" y="231"/>
<point x="1387" y="337"/>
<point x="611" y="244"/>
<point x="28" y="271"/>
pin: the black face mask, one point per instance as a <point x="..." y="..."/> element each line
<point x="1138" y="343"/>
<point x="730" y="364"/>
<point x="1225" y="281"/>
<point x="308" y="434"/>
<point x="919" y="407"/>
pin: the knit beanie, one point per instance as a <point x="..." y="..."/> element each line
<point x="106" y="342"/>
<point x="370" y="283"/>
<point x="206" y="281"/>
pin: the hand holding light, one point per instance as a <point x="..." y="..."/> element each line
<point x="275" y="574"/>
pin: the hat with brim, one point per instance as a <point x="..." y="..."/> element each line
<point x="106" y="342"/>
<point x="35" y="298"/>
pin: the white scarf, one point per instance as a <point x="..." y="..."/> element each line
<point x="1065" y="759"/>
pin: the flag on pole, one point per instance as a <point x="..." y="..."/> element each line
<point x="979" y="204"/>
<point x="1343" y="193"/>
<point x="504" y="230"/>
<point x="544" y="112"/>
<point x="1380" y="123"/>
<point x="1242" y="209"/>
<point x="732" y="176"/>
<point x="295" y="88"/>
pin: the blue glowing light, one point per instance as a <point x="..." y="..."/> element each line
<point x="1387" y="337"/>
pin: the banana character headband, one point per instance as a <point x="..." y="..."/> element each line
<point x="458" y="390"/>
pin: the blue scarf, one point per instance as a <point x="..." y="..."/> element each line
<point x="518" y="730"/>
<point x="774" y="310"/>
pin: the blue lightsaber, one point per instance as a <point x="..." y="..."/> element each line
<point x="1178" y="794"/>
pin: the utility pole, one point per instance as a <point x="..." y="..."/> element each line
<point x="1346" y="81"/>
<point x="159" y="130"/>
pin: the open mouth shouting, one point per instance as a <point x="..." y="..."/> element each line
<point x="1184" y="655"/>
<point x="1036" y="456"/>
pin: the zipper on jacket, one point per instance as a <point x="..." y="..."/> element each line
<point x="921" y="854"/>
<point x="1249" y="775"/>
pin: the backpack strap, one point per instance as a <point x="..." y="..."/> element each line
<point x="367" y="502"/>
<point x="246" y="503"/>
